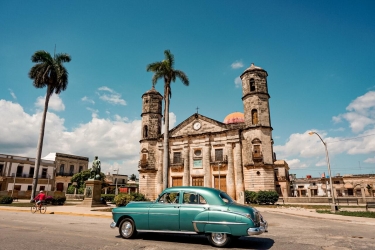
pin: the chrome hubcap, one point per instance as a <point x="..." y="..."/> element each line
<point x="219" y="238"/>
<point x="126" y="228"/>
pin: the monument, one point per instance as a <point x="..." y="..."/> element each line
<point x="93" y="186"/>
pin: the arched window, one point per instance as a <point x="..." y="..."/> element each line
<point x="62" y="169"/>
<point x="252" y="84"/>
<point x="254" y="116"/>
<point x="145" y="131"/>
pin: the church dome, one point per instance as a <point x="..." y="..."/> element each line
<point x="236" y="117"/>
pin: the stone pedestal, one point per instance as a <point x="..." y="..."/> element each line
<point x="92" y="194"/>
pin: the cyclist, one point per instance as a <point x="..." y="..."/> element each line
<point x="41" y="197"/>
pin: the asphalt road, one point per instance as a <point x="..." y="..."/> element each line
<point x="20" y="230"/>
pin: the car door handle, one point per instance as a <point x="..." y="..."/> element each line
<point x="176" y="206"/>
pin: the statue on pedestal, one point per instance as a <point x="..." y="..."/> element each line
<point x="95" y="170"/>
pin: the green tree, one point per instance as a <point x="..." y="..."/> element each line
<point x="47" y="72"/>
<point x="164" y="70"/>
<point x="83" y="176"/>
<point x="133" y="177"/>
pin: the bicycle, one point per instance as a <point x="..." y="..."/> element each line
<point x="42" y="209"/>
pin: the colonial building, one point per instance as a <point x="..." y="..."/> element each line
<point x="65" y="167"/>
<point x="16" y="175"/>
<point x="234" y="155"/>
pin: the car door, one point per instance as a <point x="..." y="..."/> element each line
<point x="164" y="214"/>
<point x="192" y="205"/>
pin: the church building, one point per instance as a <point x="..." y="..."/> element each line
<point x="234" y="155"/>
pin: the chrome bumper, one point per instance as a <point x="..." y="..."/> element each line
<point x="258" y="230"/>
<point x="113" y="225"/>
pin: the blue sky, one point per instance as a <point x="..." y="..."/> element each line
<point x="319" y="55"/>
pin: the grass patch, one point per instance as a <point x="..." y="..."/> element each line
<point x="349" y="213"/>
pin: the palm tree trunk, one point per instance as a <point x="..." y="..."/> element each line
<point x="166" y="141"/>
<point x="40" y="145"/>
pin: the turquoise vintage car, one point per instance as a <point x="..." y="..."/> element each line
<point x="190" y="210"/>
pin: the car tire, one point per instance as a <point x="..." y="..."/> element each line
<point x="127" y="229"/>
<point x="220" y="239"/>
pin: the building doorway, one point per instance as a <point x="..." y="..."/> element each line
<point x="223" y="182"/>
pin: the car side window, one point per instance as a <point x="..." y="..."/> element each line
<point x="193" y="198"/>
<point x="172" y="197"/>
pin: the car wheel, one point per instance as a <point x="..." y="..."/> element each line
<point x="219" y="239"/>
<point x="127" y="229"/>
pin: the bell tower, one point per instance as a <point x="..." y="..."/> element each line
<point x="151" y="114"/>
<point x="258" y="143"/>
<point x="150" y="132"/>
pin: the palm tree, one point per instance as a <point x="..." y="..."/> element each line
<point x="48" y="71"/>
<point x="165" y="70"/>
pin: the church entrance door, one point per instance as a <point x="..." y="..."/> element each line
<point x="223" y="182"/>
<point x="176" y="181"/>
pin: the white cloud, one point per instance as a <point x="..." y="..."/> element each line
<point x="86" y="99"/>
<point x="113" y="97"/>
<point x="237" y="65"/>
<point x="12" y="94"/>
<point x="55" y="103"/>
<point x="370" y="160"/>
<point x="361" y="112"/>
<point x="238" y="82"/>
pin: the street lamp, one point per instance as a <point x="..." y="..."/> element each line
<point x="333" y="206"/>
<point x="116" y="191"/>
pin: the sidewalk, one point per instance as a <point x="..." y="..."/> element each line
<point x="311" y="213"/>
<point x="75" y="210"/>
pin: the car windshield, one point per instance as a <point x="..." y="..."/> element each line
<point x="225" y="197"/>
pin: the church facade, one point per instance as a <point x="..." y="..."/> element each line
<point x="234" y="155"/>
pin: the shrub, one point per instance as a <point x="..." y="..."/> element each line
<point x="123" y="199"/>
<point x="49" y="199"/>
<point x="59" y="200"/>
<point x="267" y="197"/>
<point x="250" y="196"/>
<point x="108" y="197"/>
<point x="6" y="200"/>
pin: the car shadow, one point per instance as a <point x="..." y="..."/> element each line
<point x="241" y="243"/>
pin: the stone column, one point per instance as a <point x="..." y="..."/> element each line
<point x="230" y="173"/>
<point x="186" y="157"/>
<point x="238" y="173"/>
<point x="92" y="194"/>
<point x="207" y="166"/>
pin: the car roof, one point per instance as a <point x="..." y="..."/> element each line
<point x="211" y="195"/>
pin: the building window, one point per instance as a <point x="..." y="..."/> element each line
<point x="71" y="170"/>
<point x="252" y="84"/>
<point x="176" y="181"/>
<point x="198" y="153"/>
<point x="62" y="169"/>
<point x="219" y="154"/>
<point x="177" y="157"/>
<point x="31" y="172"/>
<point x="336" y="182"/>
<point x="42" y="188"/>
<point x="29" y="187"/>
<point x="44" y="173"/>
<point x="256" y="152"/>
<point x="198" y="181"/>
<point x="17" y="187"/>
<point x="145" y="131"/>
<point x="1" y="169"/>
<point x="80" y="168"/>
<point x="254" y="117"/>
<point x="19" y="171"/>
